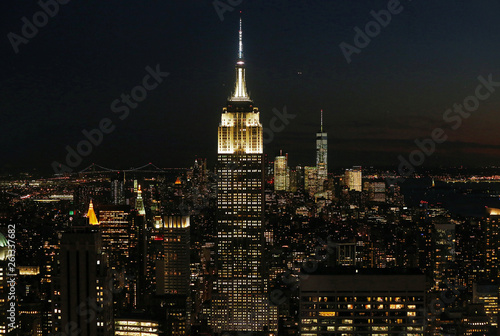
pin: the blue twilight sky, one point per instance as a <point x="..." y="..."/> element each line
<point x="429" y="57"/>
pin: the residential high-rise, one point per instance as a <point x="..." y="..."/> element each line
<point x="322" y="156"/>
<point x="240" y="299"/>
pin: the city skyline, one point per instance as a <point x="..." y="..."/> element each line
<point x="342" y="205"/>
<point x="375" y="107"/>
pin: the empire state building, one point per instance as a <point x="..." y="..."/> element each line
<point x="240" y="300"/>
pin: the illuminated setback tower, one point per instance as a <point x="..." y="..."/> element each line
<point x="239" y="302"/>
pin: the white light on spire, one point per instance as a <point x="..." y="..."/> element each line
<point x="240" y="90"/>
<point x="240" y="53"/>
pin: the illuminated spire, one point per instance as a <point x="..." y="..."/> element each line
<point x="91" y="215"/>
<point x="139" y="203"/>
<point x="321" y="121"/>
<point x="240" y="90"/>
<point x="240" y="50"/>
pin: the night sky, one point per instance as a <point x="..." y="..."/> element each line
<point x="394" y="91"/>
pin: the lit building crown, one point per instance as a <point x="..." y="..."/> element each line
<point x="240" y="129"/>
<point x="139" y="204"/>
<point x="91" y="215"/>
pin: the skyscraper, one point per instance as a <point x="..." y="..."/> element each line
<point x="114" y="225"/>
<point x="353" y="178"/>
<point x="280" y="173"/>
<point x="117" y="192"/>
<point x="443" y="254"/>
<point x="118" y="226"/>
<point x="240" y="299"/>
<point x="173" y="273"/>
<point x="311" y="180"/>
<point x="492" y="244"/>
<point x="175" y="277"/>
<point x="139" y="202"/>
<point x="322" y="155"/>
<point x="83" y="298"/>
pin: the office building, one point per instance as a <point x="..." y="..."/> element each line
<point x="174" y="278"/>
<point x="487" y="295"/>
<point x="349" y="301"/>
<point x="281" y="173"/>
<point x="353" y="179"/>
<point x="322" y="156"/>
<point x="83" y="284"/>
<point x="136" y="327"/>
<point x="492" y="244"/>
<point x="118" y="192"/>
<point x="240" y="299"/>
<point x="443" y="255"/>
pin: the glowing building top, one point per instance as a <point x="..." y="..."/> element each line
<point x="240" y="89"/>
<point x="240" y="130"/>
<point x="91" y="215"/>
<point x="139" y="203"/>
<point x="4" y="247"/>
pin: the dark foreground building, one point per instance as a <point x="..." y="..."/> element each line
<point x="362" y="302"/>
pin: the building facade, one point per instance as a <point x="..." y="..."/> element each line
<point x="353" y="179"/>
<point x="82" y="301"/>
<point x="365" y="303"/>
<point x="281" y="173"/>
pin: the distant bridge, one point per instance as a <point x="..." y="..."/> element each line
<point x="495" y="179"/>
<point x="147" y="168"/>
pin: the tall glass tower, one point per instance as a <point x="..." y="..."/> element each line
<point x="322" y="155"/>
<point x="240" y="300"/>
